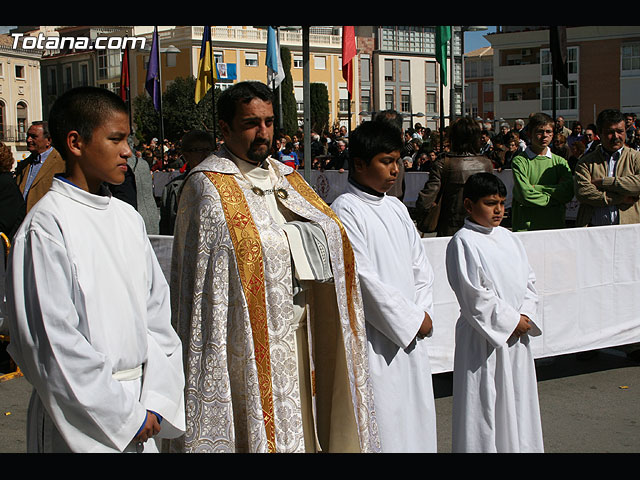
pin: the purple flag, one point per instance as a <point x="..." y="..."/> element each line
<point x="152" y="85"/>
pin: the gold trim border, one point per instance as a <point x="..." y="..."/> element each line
<point x="248" y="251"/>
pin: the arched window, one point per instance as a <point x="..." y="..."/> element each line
<point x="21" y="118"/>
<point x="3" y="126"/>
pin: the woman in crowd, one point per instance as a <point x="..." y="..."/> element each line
<point x="12" y="205"/>
<point x="440" y="205"/>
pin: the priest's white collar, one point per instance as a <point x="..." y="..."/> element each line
<point x="223" y="161"/>
<point x="471" y="225"/>
<point x="64" y="187"/>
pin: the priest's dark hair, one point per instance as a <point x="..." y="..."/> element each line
<point x="371" y="138"/>
<point x="241" y="92"/>
<point x="82" y="109"/>
<point x="483" y="184"/>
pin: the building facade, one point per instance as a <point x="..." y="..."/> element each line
<point x="240" y="52"/>
<point x="76" y="63"/>
<point x="478" y="79"/>
<point x="20" y="94"/>
<point x="603" y="67"/>
<point x="398" y="71"/>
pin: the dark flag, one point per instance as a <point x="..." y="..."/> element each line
<point x="124" y="76"/>
<point x="558" y="47"/>
<point x="152" y="84"/>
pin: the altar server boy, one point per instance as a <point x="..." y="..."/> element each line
<point x="89" y="306"/>
<point x="396" y="281"/>
<point x="495" y="395"/>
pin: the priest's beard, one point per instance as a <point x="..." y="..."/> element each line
<point x="259" y="151"/>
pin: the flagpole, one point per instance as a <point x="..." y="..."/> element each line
<point x="441" y="113"/>
<point x="158" y="57"/>
<point x="553" y="81"/>
<point x="128" y="90"/>
<point x="280" y="120"/>
<point x="213" y="88"/>
<point x="349" y="111"/>
<point x="307" y="103"/>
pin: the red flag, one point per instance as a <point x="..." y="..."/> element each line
<point x="348" y="52"/>
<point x="124" y="76"/>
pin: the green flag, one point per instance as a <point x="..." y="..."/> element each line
<point x="443" y="35"/>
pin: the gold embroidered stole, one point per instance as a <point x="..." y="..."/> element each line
<point x="310" y="195"/>
<point x="248" y="251"/>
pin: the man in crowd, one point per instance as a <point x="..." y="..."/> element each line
<point x="561" y="127"/>
<point x="266" y="299"/>
<point x="34" y="175"/>
<point x="608" y="179"/>
<point x="340" y="159"/>
<point x="486" y="145"/>
<point x="520" y="129"/>
<point x="630" y="126"/>
<point x="591" y="140"/>
<point x="196" y="146"/>
<point x="608" y="185"/>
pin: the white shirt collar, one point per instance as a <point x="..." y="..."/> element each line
<point x="531" y="154"/>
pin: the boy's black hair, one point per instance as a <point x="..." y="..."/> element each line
<point x="371" y="138"/>
<point x="538" y="119"/>
<point x="241" y="92"/>
<point x="82" y="109"/>
<point x="483" y="184"/>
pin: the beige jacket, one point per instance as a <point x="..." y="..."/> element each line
<point x="614" y="191"/>
<point x="42" y="183"/>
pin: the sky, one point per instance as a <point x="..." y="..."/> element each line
<point x="475" y="40"/>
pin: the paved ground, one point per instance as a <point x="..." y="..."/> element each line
<point x="588" y="406"/>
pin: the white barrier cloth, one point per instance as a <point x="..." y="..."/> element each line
<point x="588" y="283"/>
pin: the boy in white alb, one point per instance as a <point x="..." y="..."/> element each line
<point x="495" y="395"/>
<point x="90" y="318"/>
<point x="396" y="281"/>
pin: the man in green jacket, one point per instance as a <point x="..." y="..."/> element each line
<point x="542" y="181"/>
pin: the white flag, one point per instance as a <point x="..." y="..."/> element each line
<point x="275" y="72"/>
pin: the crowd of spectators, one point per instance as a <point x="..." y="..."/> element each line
<point x="423" y="147"/>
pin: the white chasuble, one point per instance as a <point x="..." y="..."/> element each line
<point x="91" y="325"/>
<point x="396" y="280"/>
<point x="495" y="394"/>
<point x="268" y="369"/>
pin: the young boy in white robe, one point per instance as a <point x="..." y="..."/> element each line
<point x="90" y="319"/>
<point x="495" y="395"/>
<point x="396" y="279"/>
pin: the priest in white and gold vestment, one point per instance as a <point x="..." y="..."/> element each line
<point x="267" y="303"/>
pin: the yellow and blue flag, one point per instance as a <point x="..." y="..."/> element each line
<point x="207" y="74"/>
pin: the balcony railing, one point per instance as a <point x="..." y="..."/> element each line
<point x="10" y="133"/>
<point x="317" y="37"/>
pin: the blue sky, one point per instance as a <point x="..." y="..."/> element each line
<point x="475" y="40"/>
